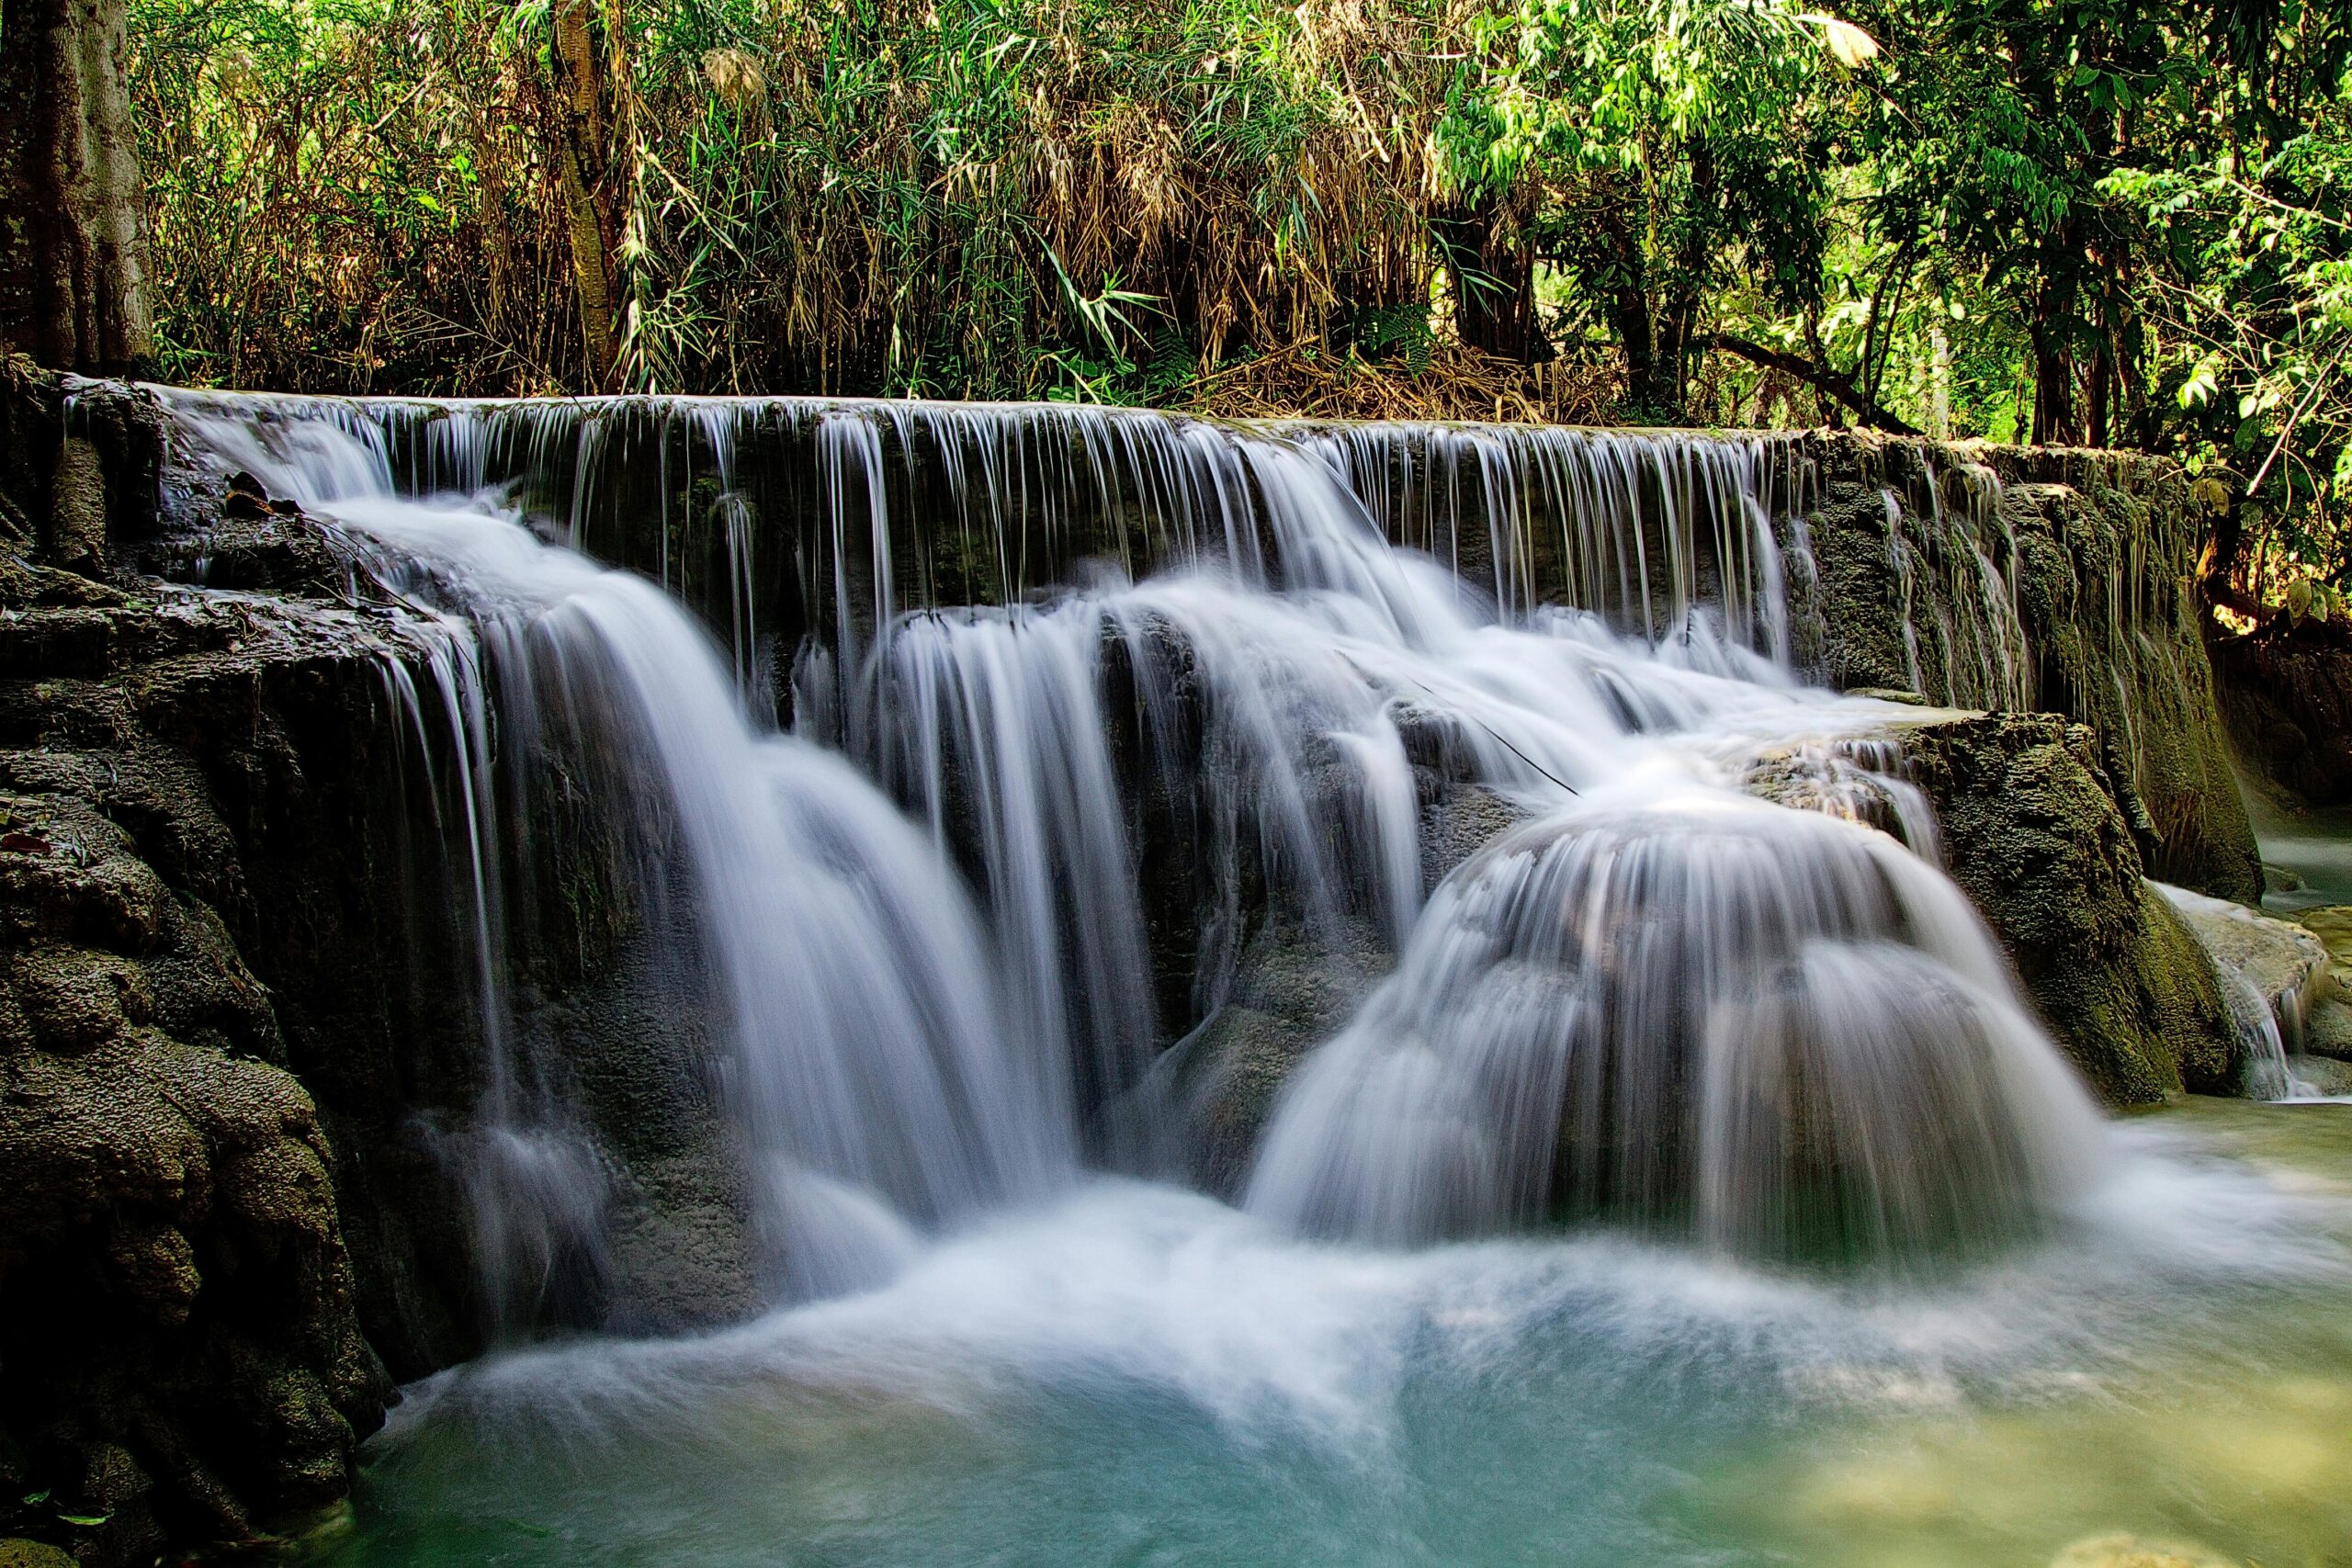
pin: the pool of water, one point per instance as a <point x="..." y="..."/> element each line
<point x="2317" y="845"/>
<point x="1139" y="1375"/>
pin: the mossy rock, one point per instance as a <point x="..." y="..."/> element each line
<point x="2035" y="834"/>
<point x="22" y="1554"/>
<point x="2097" y="626"/>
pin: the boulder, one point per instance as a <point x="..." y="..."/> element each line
<point x="2283" y="965"/>
<point x="21" y="1553"/>
<point x="2327" y="1022"/>
<point x="2035" y="833"/>
<point x="2125" y="1551"/>
<point x="1293" y="990"/>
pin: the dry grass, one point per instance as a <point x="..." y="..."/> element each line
<point x="1049" y="197"/>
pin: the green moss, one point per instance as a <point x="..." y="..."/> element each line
<point x="2036" y="837"/>
<point x="2103" y="630"/>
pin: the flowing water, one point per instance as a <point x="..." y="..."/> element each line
<point x="1683" y="1181"/>
<point x="2315" y="845"/>
<point x="1141" y="1375"/>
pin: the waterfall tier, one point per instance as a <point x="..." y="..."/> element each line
<point x="1152" y="689"/>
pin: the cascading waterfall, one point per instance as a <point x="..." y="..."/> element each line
<point x="1776" y="1028"/>
<point x="871" y="1082"/>
<point x="1661" y="1000"/>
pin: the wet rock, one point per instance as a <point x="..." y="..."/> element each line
<point x="2328" y="1030"/>
<point x="2321" y="1075"/>
<point x="1294" y="988"/>
<point x="684" y="1246"/>
<point x="2123" y="1550"/>
<point x="2035" y="834"/>
<point x="2280" y="879"/>
<point x="22" y="1554"/>
<point x="2281" y="963"/>
<point x="181" y="1347"/>
<point x="2327" y="1026"/>
<point x="2331" y="924"/>
<point x="1889" y="591"/>
<point x="1461" y="821"/>
<point x="257" y="546"/>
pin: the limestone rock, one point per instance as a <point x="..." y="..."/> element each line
<point x="2284" y="965"/>
<point x="33" y="1554"/>
<point x="2327" y="1025"/>
<point x="2321" y="1075"/>
<point x="2331" y="923"/>
<point x="2033" y="833"/>
<point x="181" y="1355"/>
<point x="1889" y="591"/>
<point x="1292" y="992"/>
<point x="2123" y="1550"/>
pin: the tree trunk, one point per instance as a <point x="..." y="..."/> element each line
<point x="2101" y="396"/>
<point x="74" y="263"/>
<point x="1629" y="315"/>
<point x="2055" y="422"/>
<point x="1493" y="284"/>
<point x="580" y="162"/>
<point x="1678" y="344"/>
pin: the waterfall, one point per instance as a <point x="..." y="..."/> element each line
<point x="1059" y="709"/>
<point x="1775" y="1028"/>
<point x="862" y="1049"/>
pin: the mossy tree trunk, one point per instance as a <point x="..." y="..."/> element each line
<point x="73" y="220"/>
<point x="581" y="156"/>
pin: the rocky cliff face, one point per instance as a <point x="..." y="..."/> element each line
<point x="219" y="1229"/>
<point x="2036" y="582"/>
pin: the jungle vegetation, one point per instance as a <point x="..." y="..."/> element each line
<point x="2110" y="222"/>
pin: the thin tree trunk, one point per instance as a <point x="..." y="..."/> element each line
<point x="74" y="264"/>
<point x="1938" y="380"/>
<point x="1678" y="343"/>
<point x="2101" y="396"/>
<point x="1494" y="283"/>
<point x="1630" y="310"/>
<point x="579" y="159"/>
<point x="2053" y="390"/>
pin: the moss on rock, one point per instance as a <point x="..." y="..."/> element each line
<point x="2033" y="832"/>
<point x="2029" y="580"/>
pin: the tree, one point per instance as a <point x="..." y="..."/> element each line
<point x="72" y="226"/>
<point x="1679" y="143"/>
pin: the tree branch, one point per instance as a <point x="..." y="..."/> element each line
<point x="1864" y="409"/>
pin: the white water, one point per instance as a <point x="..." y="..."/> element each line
<point x="1651" y="1002"/>
<point x="1663" y="1001"/>
<point x="864" y="1056"/>
<point x="1139" y="1374"/>
<point x="1510" y="1282"/>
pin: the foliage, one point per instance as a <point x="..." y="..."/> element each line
<point x="2257" y="304"/>
<point x="1678" y="146"/>
<point x="2114" y="221"/>
<point x="987" y="198"/>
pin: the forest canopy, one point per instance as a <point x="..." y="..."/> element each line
<point x="2108" y="222"/>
